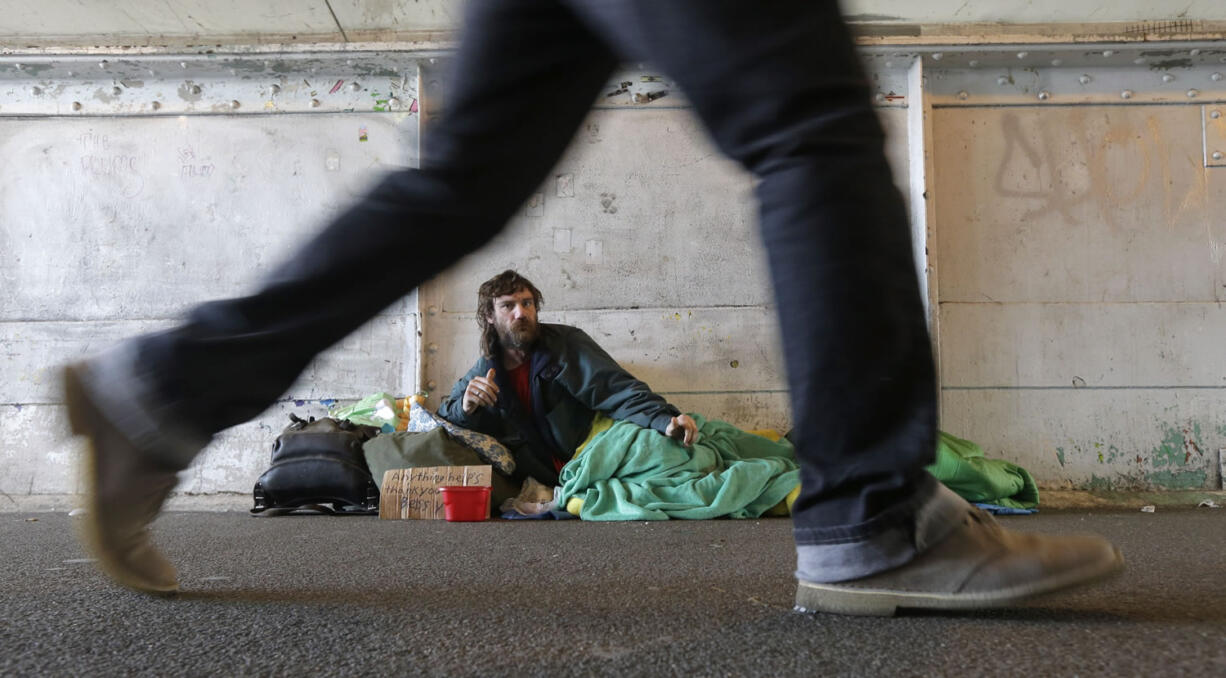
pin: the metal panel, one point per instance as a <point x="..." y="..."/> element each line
<point x="1086" y="204"/>
<point x="1214" y="120"/>
<point x="1098" y="439"/>
<point x="1087" y="345"/>
<point x="235" y="83"/>
<point x="96" y="208"/>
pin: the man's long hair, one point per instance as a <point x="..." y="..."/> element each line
<point x="507" y="282"/>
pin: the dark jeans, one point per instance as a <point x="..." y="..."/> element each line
<point x="781" y="91"/>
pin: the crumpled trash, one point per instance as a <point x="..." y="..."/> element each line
<point x="1148" y="509"/>
<point x="1208" y="503"/>
<point x="377" y="409"/>
<point x="76" y="513"/>
<point x="533" y="499"/>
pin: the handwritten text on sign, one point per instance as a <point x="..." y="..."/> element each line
<point x="412" y="493"/>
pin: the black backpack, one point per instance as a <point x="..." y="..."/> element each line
<point x="317" y="464"/>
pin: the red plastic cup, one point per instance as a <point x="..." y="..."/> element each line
<point x="466" y="503"/>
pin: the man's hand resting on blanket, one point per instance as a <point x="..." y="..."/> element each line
<point x="480" y="391"/>
<point x="683" y="428"/>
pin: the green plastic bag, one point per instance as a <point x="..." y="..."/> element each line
<point x="377" y="409"/>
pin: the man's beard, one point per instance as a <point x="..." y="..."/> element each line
<point x="518" y="336"/>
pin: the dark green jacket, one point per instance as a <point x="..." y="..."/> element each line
<point x="572" y="379"/>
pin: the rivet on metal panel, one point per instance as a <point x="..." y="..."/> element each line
<point x="116" y="90"/>
<point x="1002" y="80"/>
<point x="1126" y="94"/>
<point x="1193" y="92"/>
<point x="195" y="89"/>
<point x="1108" y="52"/>
<point x="1215" y="114"/>
<point x="879" y="97"/>
<point x="274" y="90"/>
<point x="1217" y="155"/>
<point x="156" y="105"/>
<point x="235" y="104"/>
<point x="76" y="105"/>
<point x="433" y="348"/>
<point x="393" y="103"/>
<point x="102" y="64"/>
<point x="1085" y="79"/>
<point x="937" y="56"/>
<point x="963" y="95"/>
<point x="36" y="91"/>
<point x="72" y="74"/>
<point x="150" y="71"/>
<point x="1216" y="77"/>
<point x="974" y="63"/>
<point x="19" y="67"/>
<point x="433" y="61"/>
<point x="1023" y="55"/>
<point x="432" y="384"/>
<point x="1167" y="77"/>
<point x="432" y="310"/>
<point x="1139" y="61"/>
<point x="1044" y="95"/>
<point x="1056" y="62"/>
<point x="182" y="64"/>
<point x="314" y="103"/>
<point x="1195" y="51"/>
<point x="889" y="64"/>
<point x="355" y="87"/>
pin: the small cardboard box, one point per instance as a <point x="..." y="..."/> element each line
<point x="412" y="493"/>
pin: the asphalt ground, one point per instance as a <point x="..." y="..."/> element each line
<point x="295" y="595"/>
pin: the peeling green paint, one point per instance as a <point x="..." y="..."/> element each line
<point x="1060" y="455"/>
<point x="1098" y="483"/>
<point x="1177" y="446"/>
<point x="1182" y="480"/>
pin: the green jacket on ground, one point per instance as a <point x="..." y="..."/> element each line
<point x="572" y="379"/>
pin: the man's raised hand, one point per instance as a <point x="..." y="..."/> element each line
<point x="480" y="391"/>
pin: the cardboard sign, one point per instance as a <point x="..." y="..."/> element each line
<point x="412" y="493"/>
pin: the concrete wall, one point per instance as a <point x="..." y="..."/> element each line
<point x="1070" y="240"/>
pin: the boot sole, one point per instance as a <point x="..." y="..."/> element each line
<point x="813" y="598"/>
<point x="84" y="419"/>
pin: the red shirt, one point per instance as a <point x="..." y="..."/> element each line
<point x="521" y="379"/>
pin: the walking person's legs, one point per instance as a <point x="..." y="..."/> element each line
<point x="526" y="74"/>
<point x="781" y="89"/>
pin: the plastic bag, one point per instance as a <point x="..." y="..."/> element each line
<point x="533" y="499"/>
<point x="377" y="409"/>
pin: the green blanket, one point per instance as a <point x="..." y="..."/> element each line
<point x="962" y="467"/>
<point x="633" y="473"/>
